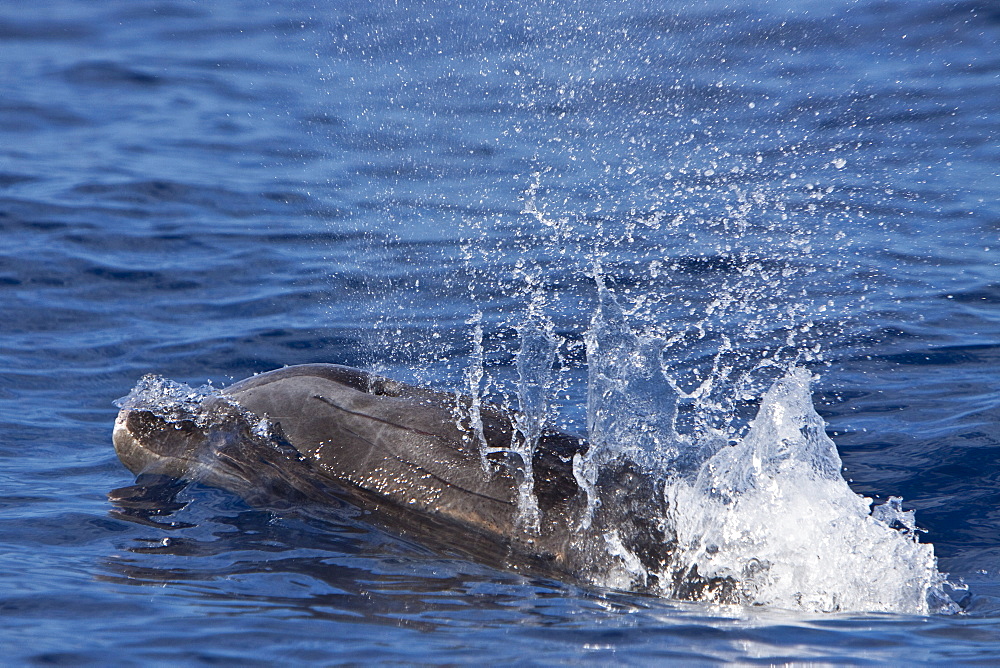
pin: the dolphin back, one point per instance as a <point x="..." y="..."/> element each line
<point x="394" y="440"/>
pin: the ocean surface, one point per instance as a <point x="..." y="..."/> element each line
<point x="727" y="193"/>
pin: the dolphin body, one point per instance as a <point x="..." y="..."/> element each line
<point x="326" y="434"/>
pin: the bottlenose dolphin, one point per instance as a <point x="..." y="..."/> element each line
<point x="325" y="433"/>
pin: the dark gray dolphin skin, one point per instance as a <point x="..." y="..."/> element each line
<point x="410" y="455"/>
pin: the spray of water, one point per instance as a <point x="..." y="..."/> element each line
<point x="765" y="507"/>
<point x="695" y="373"/>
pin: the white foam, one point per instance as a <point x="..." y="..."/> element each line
<point x="774" y="513"/>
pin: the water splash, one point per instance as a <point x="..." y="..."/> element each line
<point x="774" y="513"/>
<point x="167" y="398"/>
<point x="534" y="364"/>
<point x="764" y="508"/>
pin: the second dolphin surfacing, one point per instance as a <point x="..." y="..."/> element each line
<point x="321" y="433"/>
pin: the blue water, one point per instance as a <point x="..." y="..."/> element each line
<point x="206" y="191"/>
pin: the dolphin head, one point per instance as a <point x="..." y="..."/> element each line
<point x="150" y="441"/>
<point x="211" y="439"/>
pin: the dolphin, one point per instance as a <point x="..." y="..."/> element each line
<point x="330" y="434"/>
